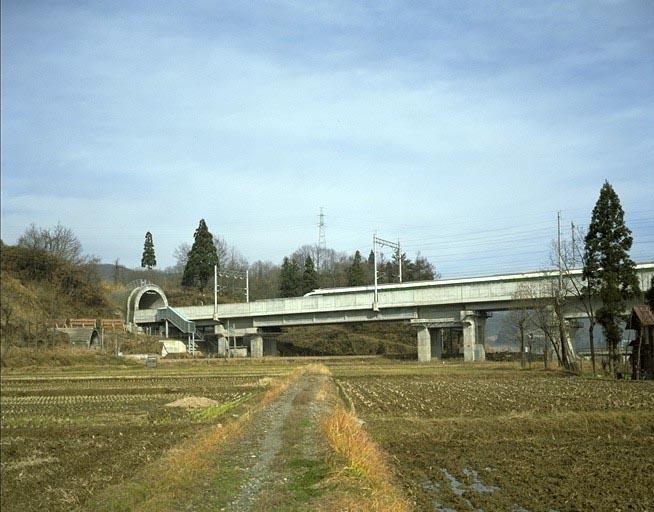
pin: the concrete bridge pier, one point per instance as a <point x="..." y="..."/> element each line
<point x="223" y="346"/>
<point x="572" y="325"/>
<point x="437" y="343"/>
<point x="474" y="325"/>
<point x="270" y="346"/>
<point x="256" y="346"/>
<point x="424" y="344"/>
<point x="430" y="340"/>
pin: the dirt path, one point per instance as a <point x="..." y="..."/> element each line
<point x="278" y="461"/>
<point x="266" y="442"/>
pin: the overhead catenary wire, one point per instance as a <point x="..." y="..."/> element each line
<point x="468" y="246"/>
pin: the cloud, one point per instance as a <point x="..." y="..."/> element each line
<point x="132" y="118"/>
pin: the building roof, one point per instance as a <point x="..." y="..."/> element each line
<point x="642" y="315"/>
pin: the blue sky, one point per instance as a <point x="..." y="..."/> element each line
<point x="459" y="127"/>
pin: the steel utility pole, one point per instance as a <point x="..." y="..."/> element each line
<point x="376" y="242"/>
<point x="238" y="274"/>
<point x="572" y="230"/>
<point x="374" y="249"/>
<point x="399" y="258"/>
<point x="558" y="249"/>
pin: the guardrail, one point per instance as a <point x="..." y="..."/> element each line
<point x="177" y="319"/>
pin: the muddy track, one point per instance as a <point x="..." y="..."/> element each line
<point x="265" y="442"/>
<point x="271" y="436"/>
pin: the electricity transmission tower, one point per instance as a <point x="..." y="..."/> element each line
<point x="321" y="248"/>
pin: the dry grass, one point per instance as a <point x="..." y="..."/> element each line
<point x="365" y="461"/>
<point x="180" y="469"/>
<point x="317" y="369"/>
<point x="26" y="358"/>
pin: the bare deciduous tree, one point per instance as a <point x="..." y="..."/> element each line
<point x="583" y="291"/>
<point x="520" y="319"/>
<point x="544" y="317"/>
<point x="181" y="256"/>
<point x="58" y="240"/>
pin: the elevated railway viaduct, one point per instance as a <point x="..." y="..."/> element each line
<point x="429" y="305"/>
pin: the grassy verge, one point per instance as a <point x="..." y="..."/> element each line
<point x="34" y="359"/>
<point x="165" y="482"/>
<point x="358" y="467"/>
<point x="363" y="463"/>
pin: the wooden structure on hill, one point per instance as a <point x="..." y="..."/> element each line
<point x="114" y="324"/>
<point x="642" y="348"/>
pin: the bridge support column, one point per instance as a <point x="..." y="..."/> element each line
<point x="166" y="329"/>
<point x="222" y="347"/>
<point x="572" y="325"/>
<point x="437" y="343"/>
<point x="270" y="347"/>
<point x="474" y="324"/>
<point x="424" y="344"/>
<point x="256" y="346"/>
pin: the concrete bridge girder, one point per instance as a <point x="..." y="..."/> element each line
<point x="429" y="304"/>
<point x="473" y="324"/>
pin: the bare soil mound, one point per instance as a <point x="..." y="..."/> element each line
<point x="193" y="402"/>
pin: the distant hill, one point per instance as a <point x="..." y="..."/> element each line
<point x="107" y="271"/>
<point x="37" y="288"/>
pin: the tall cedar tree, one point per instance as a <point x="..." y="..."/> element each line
<point x="148" y="260"/>
<point x="296" y="278"/>
<point x="284" y="279"/>
<point x="201" y="259"/>
<point x="608" y="266"/>
<point x="289" y="279"/>
<point x="309" y="276"/>
<point x="356" y="275"/>
<point x="371" y="266"/>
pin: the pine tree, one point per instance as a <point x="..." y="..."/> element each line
<point x="148" y="260"/>
<point x="289" y="279"/>
<point x="284" y="281"/>
<point x="201" y="259"/>
<point x="370" y="268"/>
<point x="295" y="278"/>
<point x="608" y="266"/>
<point x="309" y="276"/>
<point x="423" y="270"/>
<point x="356" y="275"/>
<point x="408" y="268"/>
<point x="388" y="273"/>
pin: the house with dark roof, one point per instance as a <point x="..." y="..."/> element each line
<point x="641" y="320"/>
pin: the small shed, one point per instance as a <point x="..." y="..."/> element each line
<point x="81" y="336"/>
<point x="641" y="320"/>
<point x="172" y="347"/>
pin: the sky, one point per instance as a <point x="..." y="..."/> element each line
<point x="459" y="128"/>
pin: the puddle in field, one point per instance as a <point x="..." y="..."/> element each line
<point x="459" y="488"/>
<point x="430" y="486"/>
<point x="478" y="485"/>
<point x="455" y="485"/>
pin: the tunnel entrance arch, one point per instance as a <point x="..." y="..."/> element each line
<point x="151" y="299"/>
<point x="145" y="296"/>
